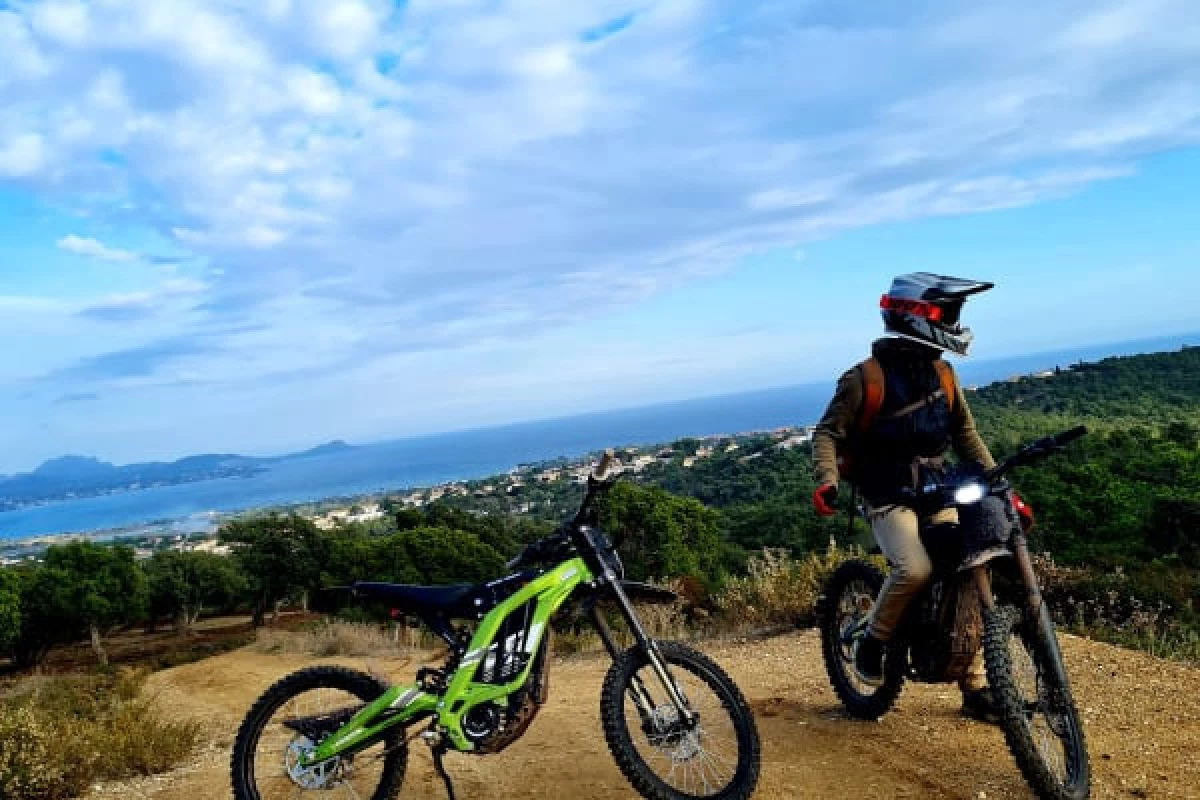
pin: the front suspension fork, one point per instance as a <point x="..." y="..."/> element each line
<point x="1036" y="612"/>
<point x="639" y="694"/>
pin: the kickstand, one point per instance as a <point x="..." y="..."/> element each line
<point x="441" y="769"/>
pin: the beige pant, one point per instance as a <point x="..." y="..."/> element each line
<point x="897" y="530"/>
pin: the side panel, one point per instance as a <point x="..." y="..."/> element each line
<point x="515" y="629"/>
<point x="399" y="705"/>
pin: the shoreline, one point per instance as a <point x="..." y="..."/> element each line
<point x="573" y="467"/>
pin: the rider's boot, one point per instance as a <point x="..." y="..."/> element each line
<point x="868" y="659"/>
<point x="980" y="704"/>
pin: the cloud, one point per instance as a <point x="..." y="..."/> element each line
<point x="83" y="246"/>
<point x="358" y="179"/>
<point x="136" y="362"/>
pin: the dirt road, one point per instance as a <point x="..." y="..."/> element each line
<point x="1142" y="718"/>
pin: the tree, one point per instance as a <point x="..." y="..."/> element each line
<point x="10" y="609"/>
<point x="80" y="589"/>
<point x="281" y="556"/>
<point x="183" y="584"/>
<point x="435" y="555"/>
<point x="661" y="535"/>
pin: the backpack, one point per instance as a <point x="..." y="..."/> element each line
<point x="874" y="384"/>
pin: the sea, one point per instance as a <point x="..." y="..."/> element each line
<point x="429" y="460"/>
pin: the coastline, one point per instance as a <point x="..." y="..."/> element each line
<point x="327" y="510"/>
<point x="360" y="473"/>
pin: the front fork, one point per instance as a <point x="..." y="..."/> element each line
<point x="638" y="693"/>
<point x="1036" y="610"/>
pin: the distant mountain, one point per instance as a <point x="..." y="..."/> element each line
<point x="336" y="446"/>
<point x="73" y="468"/>
<point x="73" y="476"/>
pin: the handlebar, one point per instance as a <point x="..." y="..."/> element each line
<point x="1067" y="437"/>
<point x="1039" y="449"/>
<point x="552" y="546"/>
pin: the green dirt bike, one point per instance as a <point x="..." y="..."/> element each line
<point x="984" y="593"/>
<point x="676" y="724"/>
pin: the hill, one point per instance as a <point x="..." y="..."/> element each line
<point x="74" y="476"/>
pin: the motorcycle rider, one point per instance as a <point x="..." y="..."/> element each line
<point x="892" y="418"/>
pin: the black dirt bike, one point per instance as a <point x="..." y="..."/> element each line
<point x="676" y="724"/>
<point x="983" y="593"/>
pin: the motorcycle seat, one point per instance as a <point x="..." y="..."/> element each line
<point x="408" y="597"/>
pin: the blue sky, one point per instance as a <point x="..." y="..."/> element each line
<point x="253" y="226"/>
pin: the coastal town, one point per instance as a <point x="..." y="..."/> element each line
<point x="199" y="533"/>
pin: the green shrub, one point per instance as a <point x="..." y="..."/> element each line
<point x="779" y="591"/>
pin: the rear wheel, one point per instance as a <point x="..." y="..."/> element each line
<point x="1041" y="724"/>
<point x="849" y="594"/>
<point x="294" y="716"/>
<point x="664" y="756"/>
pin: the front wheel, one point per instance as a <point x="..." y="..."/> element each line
<point x="846" y="603"/>
<point x="1041" y="724"/>
<point x="293" y="717"/>
<point x="667" y="757"/>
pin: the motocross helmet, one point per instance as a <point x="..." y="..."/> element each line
<point x="925" y="308"/>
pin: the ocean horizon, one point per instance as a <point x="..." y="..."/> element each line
<point x="469" y="454"/>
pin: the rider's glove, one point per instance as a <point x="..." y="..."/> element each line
<point x="825" y="498"/>
<point x="1024" y="512"/>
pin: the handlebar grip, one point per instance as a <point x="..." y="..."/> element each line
<point x="602" y="468"/>
<point x="1070" y="436"/>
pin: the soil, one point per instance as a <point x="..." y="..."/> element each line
<point x="1141" y="715"/>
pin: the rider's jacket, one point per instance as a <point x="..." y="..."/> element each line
<point x="915" y="425"/>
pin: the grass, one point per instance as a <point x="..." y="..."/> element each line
<point x="330" y="637"/>
<point x="63" y="734"/>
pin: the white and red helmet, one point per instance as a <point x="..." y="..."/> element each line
<point x="926" y="308"/>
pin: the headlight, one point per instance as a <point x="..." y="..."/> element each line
<point x="969" y="494"/>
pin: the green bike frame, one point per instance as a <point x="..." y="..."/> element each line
<point x="405" y="704"/>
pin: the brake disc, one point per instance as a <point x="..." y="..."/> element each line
<point x="323" y="775"/>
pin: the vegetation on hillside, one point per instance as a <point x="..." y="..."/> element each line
<point x="1127" y="497"/>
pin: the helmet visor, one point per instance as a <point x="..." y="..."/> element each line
<point x="917" y="308"/>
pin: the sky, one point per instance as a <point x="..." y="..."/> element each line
<point x="254" y="225"/>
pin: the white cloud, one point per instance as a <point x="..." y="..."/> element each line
<point x="440" y="173"/>
<point x="84" y="246"/>
<point x="22" y="156"/>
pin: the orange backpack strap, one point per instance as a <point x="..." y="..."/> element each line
<point x="949" y="385"/>
<point x="873" y="384"/>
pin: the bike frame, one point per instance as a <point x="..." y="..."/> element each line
<point x="405" y="704"/>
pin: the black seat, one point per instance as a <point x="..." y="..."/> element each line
<point x="406" y="597"/>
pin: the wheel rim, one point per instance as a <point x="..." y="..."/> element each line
<point x="849" y="626"/>
<point x="276" y="768"/>
<point x="1048" y="715"/>
<point x="698" y="759"/>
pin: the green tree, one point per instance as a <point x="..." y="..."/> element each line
<point x="281" y="557"/>
<point x="10" y="609"/>
<point x="80" y="589"/>
<point x="661" y="535"/>
<point x="181" y="585"/>
<point x="434" y="555"/>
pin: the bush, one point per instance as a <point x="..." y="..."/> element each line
<point x="1150" y="607"/>
<point x="63" y="734"/>
<point x="779" y="591"/>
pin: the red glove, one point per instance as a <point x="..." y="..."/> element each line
<point x="824" y="499"/>
<point x="1024" y="512"/>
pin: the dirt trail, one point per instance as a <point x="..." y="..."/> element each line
<point x="1142" y="718"/>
